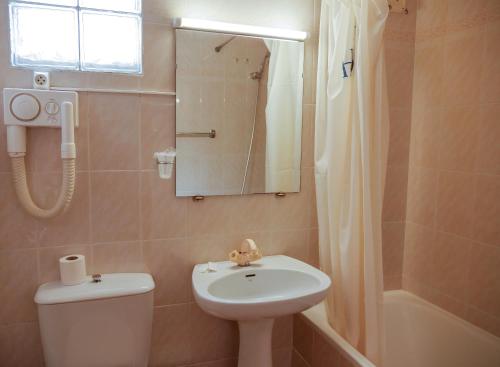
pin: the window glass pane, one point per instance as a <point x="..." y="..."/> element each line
<point x="44" y="36"/>
<point x="110" y="42"/>
<point x="132" y="6"/>
<point x="54" y="2"/>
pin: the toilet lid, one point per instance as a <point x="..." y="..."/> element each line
<point x="111" y="285"/>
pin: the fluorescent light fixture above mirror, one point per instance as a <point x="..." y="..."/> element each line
<point x="239" y="29"/>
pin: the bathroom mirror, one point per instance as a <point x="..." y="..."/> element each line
<point x="239" y="114"/>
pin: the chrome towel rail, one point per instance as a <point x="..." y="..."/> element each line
<point x="211" y="134"/>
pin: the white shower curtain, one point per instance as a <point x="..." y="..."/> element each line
<point x="284" y="115"/>
<point x="350" y="159"/>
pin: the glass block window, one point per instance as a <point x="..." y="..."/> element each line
<point x="87" y="35"/>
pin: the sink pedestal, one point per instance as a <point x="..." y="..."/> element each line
<point x="255" y="295"/>
<point x="255" y="343"/>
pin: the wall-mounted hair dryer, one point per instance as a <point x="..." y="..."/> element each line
<point x="25" y="108"/>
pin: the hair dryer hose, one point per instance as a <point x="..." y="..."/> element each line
<point x="23" y="193"/>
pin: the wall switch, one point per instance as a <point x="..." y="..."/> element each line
<point x="41" y="80"/>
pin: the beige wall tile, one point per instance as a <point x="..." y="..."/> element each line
<point x="163" y="215"/>
<point x="486" y="222"/>
<point x="425" y="137"/>
<point x="419" y="246"/>
<point x="417" y="288"/>
<point x="393" y="248"/>
<point x="215" y="248"/>
<point x="422" y="196"/>
<point x="170" y="344"/>
<point x="458" y="138"/>
<point x="283" y="333"/>
<point x="463" y="12"/>
<point x="114" y="132"/>
<point x="282" y="357"/>
<point x="229" y="215"/>
<point x="298" y="361"/>
<point x="324" y="354"/>
<point x="19" y="271"/>
<point x="395" y="194"/>
<point x="455" y="203"/>
<point x="157" y="127"/>
<point x="431" y="14"/>
<point x="454" y="135"/>
<point x="450" y="259"/>
<point x="292" y="211"/>
<point x="114" y="206"/>
<point x="18" y="228"/>
<point x="123" y="257"/>
<point x="399" y="75"/>
<point x="231" y="362"/>
<point x="399" y="143"/>
<point x="488" y="152"/>
<point x="70" y="227"/>
<point x="313" y="247"/>
<point x="428" y="74"/>
<point x="290" y="243"/>
<point x="303" y="336"/>
<point x="254" y="213"/>
<point x="450" y="304"/>
<point x="483" y="320"/>
<point x="490" y="76"/>
<point x="308" y="136"/>
<point x="403" y="23"/>
<point x="483" y="283"/>
<point x="68" y="77"/>
<point x="169" y="263"/>
<point x="393" y="283"/>
<point x="159" y="57"/>
<point x="113" y="81"/>
<point x="212" y="216"/>
<point x="310" y="70"/>
<point x="26" y="335"/>
<point x="4" y="158"/>
<point x="314" y="210"/>
<point x="462" y="74"/>
<point x="345" y="362"/>
<point x="211" y="338"/>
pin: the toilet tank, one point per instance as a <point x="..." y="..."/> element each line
<point x="97" y="324"/>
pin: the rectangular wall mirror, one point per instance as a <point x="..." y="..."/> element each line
<point x="239" y="114"/>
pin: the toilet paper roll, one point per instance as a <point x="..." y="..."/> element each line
<point x="72" y="269"/>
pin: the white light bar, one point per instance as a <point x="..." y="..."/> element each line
<point x="239" y="29"/>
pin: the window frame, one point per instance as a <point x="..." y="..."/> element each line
<point x="79" y="39"/>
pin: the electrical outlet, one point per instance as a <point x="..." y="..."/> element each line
<point x="41" y="80"/>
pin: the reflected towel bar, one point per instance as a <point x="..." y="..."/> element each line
<point x="211" y="134"/>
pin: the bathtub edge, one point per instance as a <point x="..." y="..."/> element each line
<point x="316" y="317"/>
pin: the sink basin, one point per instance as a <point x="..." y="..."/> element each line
<point x="272" y="287"/>
<point x="254" y="295"/>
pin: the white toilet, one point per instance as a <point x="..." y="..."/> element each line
<point x="104" y="323"/>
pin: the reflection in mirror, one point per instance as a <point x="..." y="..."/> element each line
<point x="239" y="114"/>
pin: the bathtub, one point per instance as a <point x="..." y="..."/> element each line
<point x="418" y="334"/>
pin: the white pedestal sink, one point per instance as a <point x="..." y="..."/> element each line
<point x="255" y="295"/>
